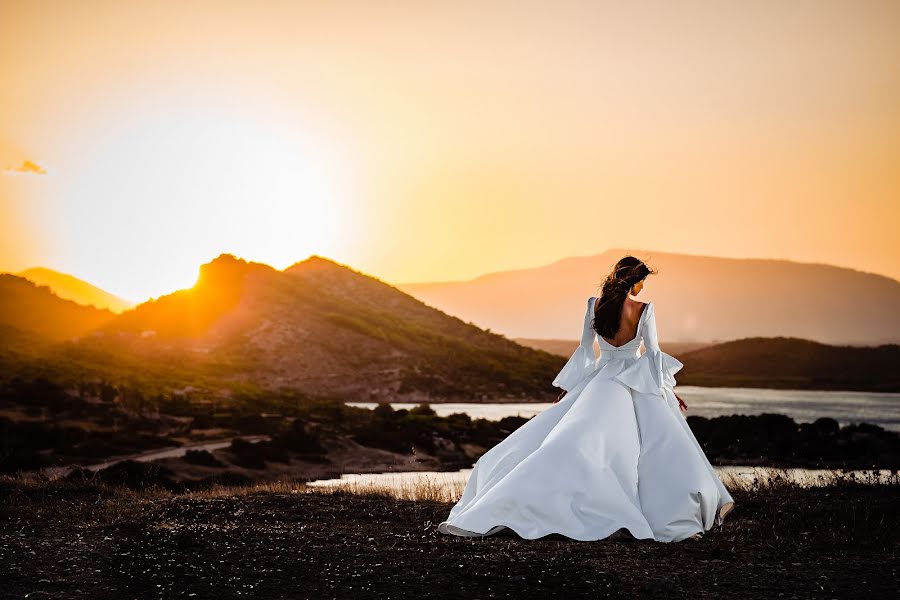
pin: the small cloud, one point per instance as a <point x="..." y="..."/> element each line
<point x="27" y="167"/>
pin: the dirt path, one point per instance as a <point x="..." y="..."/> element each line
<point x="155" y="454"/>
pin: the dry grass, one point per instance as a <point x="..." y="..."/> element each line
<point x="426" y="488"/>
<point x="845" y="509"/>
<point x="771" y="478"/>
<point x="834" y="508"/>
<point x="762" y="479"/>
<point x="40" y="490"/>
<point x="287" y="539"/>
<point x="442" y="488"/>
<point x="68" y="503"/>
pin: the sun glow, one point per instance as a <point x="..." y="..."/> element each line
<point x="174" y="188"/>
<point x="139" y="140"/>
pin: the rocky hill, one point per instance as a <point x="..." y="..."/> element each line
<point x="318" y="328"/>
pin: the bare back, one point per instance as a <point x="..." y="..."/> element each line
<point x="628" y="324"/>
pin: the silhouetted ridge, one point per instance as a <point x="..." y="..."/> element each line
<point x="791" y="362"/>
<point x="227" y="271"/>
<point x="35" y="309"/>
<point x="72" y="288"/>
<point x="315" y="261"/>
<point x="190" y="313"/>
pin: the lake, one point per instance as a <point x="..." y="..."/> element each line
<point x="801" y="405"/>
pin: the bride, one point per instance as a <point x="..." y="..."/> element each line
<point x="613" y="453"/>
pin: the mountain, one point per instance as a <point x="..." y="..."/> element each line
<point x="317" y="328"/>
<point x="322" y="329"/>
<point x="201" y="312"/>
<point x="29" y="308"/>
<point x="697" y="298"/>
<point x="71" y="288"/>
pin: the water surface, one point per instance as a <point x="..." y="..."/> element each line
<point x="801" y="405"/>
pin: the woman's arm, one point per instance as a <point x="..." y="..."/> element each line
<point x="582" y="361"/>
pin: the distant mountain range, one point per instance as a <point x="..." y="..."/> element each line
<point x="777" y="362"/>
<point x="698" y="299"/>
<point x="323" y="329"/>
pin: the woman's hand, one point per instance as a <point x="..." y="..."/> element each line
<point x="681" y="403"/>
<point x="560" y="397"/>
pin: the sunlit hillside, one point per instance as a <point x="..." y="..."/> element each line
<point x="317" y="328"/>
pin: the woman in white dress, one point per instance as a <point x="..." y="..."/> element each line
<point x="614" y="453"/>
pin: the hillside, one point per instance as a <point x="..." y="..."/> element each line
<point x="777" y="362"/>
<point x="35" y="309"/>
<point x="317" y="328"/>
<point x="697" y="298"/>
<point x="77" y="290"/>
<point x="321" y="329"/>
<point x="792" y="363"/>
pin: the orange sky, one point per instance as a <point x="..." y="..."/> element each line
<point x="431" y="141"/>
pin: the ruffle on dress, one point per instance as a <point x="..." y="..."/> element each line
<point x="581" y="364"/>
<point x="651" y="373"/>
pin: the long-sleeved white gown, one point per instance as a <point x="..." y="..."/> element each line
<point x="615" y="452"/>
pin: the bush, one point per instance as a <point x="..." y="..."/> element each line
<point x="202" y="422"/>
<point x="130" y="474"/>
<point x="423" y="410"/>
<point x="203" y="458"/>
<point x="254" y="455"/>
<point x="384" y="411"/>
<point x="299" y="439"/>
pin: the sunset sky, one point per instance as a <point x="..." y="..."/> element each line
<point x="426" y="141"/>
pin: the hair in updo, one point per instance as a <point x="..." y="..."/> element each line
<point x="627" y="272"/>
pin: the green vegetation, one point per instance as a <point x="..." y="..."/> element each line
<point x="792" y="363"/>
<point x="777" y="440"/>
<point x="46" y="425"/>
<point x="43" y="424"/>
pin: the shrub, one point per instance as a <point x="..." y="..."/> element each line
<point x="203" y="458"/>
<point x="299" y="439"/>
<point x="254" y="455"/>
<point x="423" y="410"/>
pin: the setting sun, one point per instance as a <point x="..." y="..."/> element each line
<point x="188" y="179"/>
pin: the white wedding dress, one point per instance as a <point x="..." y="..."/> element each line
<point x="614" y="453"/>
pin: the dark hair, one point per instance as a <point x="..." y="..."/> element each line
<point x="627" y="272"/>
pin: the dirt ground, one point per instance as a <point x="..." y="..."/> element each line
<point x="98" y="543"/>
